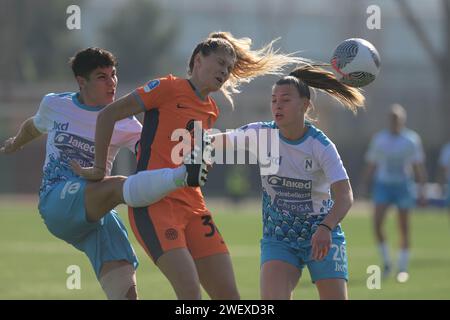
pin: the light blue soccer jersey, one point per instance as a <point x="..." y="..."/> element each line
<point x="71" y="133"/>
<point x="297" y="197"/>
<point x="70" y="126"/>
<point x="394" y="155"/>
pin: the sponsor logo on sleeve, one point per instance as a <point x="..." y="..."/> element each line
<point x="60" y="126"/>
<point x="151" y="85"/>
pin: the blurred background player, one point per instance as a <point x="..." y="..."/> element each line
<point x="393" y="156"/>
<point x="77" y="211"/>
<point x="178" y="232"/>
<point x="444" y="174"/>
<point x="301" y="220"/>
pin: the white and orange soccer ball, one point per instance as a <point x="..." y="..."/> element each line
<point x="355" y="62"/>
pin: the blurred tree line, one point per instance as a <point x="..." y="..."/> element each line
<point x="34" y="35"/>
<point x="439" y="57"/>
<point x="36" y="42"/>
<point x="140" y="35"/>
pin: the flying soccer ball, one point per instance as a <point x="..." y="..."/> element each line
<point x="355" y="62"/>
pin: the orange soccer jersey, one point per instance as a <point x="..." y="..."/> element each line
<point x="181" y="219"/>
<point x="171" y="103"/>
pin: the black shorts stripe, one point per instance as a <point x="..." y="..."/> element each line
<point x="151" y="121"/>
<point x="142" y="220"/>
<point x="147" y="232"/>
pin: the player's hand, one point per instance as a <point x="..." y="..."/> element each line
<point x="9" y="146"/>
<point x="321" y="243"/>
<point x="89" y="173"/>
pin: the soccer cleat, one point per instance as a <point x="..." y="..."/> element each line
<point x="197" y="162"/>
<point x="402" y="276"/>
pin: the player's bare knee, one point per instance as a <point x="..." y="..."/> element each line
<point x="186" y="294"/>
<point x="116" y="189"/>
<point x="269" y="295"/>
<point x="276" y="292"/>
<point x="120" y="283"/>
<point x="188" y="291"/>
<point x="232" y="295"/>
<point x="132" y="293"/>
<point x="226" y="293"/>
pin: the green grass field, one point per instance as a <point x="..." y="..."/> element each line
<point x="33" y="263"/>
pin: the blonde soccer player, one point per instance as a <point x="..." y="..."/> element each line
<point x="178" y="232"/>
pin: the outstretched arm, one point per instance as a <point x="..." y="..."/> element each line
<point x="228" y="142"/>
<point x="118" y="110"/>
<point x="343" y="200"/>
<point x="220" y="141"/>
<point x="26" y="133"/>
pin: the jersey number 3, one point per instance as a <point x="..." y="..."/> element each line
<point x="207" y="222"/>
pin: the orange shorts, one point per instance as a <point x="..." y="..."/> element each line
<point x="171" y="223"/>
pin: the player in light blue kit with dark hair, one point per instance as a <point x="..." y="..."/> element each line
<point x="301" y="220"/>
<point x="394" y="155"/>
<point x="81" y="212"/>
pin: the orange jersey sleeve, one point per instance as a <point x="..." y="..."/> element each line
<point x="155" y="93"/>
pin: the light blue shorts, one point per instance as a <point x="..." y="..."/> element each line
<point x="333" y="266"/>
<point x="400" y="195"/>
<point x="63" y="211"/>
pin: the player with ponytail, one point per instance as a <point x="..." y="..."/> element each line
<point x="178" y="232"/>
<point x="301" y="220"/>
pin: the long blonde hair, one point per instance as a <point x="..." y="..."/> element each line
<point x="312" y="75"/>
<point x="249" y="64"/>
